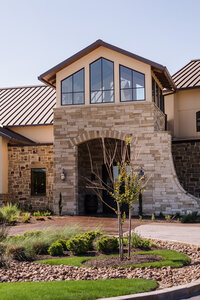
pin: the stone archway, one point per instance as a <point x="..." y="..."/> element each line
<point x="90" y="155"/>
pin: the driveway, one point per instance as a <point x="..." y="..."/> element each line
<point x="189" y="233"/>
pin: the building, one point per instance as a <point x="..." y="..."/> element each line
<point x="183" y="113"/>
<point x="101" y="91"/>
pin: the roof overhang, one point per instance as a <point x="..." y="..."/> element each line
<point x="161" y="72"/>
<point x="14" y="137"/>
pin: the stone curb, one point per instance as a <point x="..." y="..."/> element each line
<point x="168" y="293"/>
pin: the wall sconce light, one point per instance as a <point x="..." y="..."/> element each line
<point x="63" y="175"/>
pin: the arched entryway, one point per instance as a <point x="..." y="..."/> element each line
<point x="91" y="156"/>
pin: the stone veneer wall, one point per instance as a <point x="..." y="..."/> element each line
<point x="186" y="156"/>
<point x="150" y="149"/>
<point x="21" y="160"/>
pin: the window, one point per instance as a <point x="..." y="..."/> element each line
<point x="72" y="89"/>
<point x="132" y="85"/>
<point x="102" y="81"/>
<point x="198" y="121"/>
<point x="157" y="95"/>
<point x="38" y="182"/>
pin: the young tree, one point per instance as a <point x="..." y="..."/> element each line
<point x="125" y="186"/>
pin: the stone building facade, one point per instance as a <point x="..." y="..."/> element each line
<point x="21" y="160"/>
<point x="150" y="149"/>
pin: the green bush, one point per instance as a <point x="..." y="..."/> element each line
<point x="10" y="212"/>
<point x="1" y="217"/>
<point x="63" y="243"/>
<point x="91" y="236"/>
<point x="138" y="242"/>
<point x="56" y="249"/>
<point x="26" y="217"/>
<point x="190" y="218"/>
<point x="78" y="245"/>
<point x="32" y="233"/>
<point x="40" y="248"/>
<point x="107" y="244"/>
<point x="16" y="252"/>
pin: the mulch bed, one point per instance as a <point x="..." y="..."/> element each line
<point x="114" y="262"/>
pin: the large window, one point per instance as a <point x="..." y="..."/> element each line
<point x="101" y="81"/>
<point x="198" y="121"/>
<point x="72" y="89"/>
<point x="157" y="95"/>
<point x="132" y="85"/>
<point x="38" y="182"/>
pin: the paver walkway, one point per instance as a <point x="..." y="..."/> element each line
<point x="186" y="233"/>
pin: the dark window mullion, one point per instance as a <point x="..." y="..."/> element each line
<point x="132" y="83"/>
<point x="101" y="80"/>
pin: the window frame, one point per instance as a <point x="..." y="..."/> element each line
<point x="72" y="75"/>
<point x="101" y="58"/>
<point x="132" y="82"/>
<point x="32" y="187"/>
<point x="197" y="117"/>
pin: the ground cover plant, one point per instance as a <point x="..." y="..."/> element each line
<point x="75" y="290"/>
<point x="169" y="258"/>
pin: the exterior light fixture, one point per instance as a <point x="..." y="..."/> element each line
<point x="63" y="175"/>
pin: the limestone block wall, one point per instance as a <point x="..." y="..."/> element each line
<point x="186" y="156"/>
<point x="21" y="160"/>
<point x="150" y="149"/>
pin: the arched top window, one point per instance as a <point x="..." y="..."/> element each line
<point x="132" y="85"/>
<point x="101" y="81"/>
<point x="72" y="89"/>
<point x="198" y="121"/>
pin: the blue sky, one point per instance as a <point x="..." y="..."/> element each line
<point x="35" y="35"/>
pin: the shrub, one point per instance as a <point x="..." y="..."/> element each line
<point x="26" y="217"/>
<point x="3" y="231"/>
<point x="16" y="252"/>
<point x="91" y="236"/>
<point x="153" y="217"/>
<point x="10" y="212"/>
<point x="1" y="217"/>
<point x="107" y="244"/>
<point x="56" y="249"/>
<point x="40" y="248"/>
<point x="190" y="218"/>
<point x="138" y="242"/>
<point x="78" y="245"/>
<point x="167" y="217"/>
<point x="63" y="243"/>
<point x="32" y="233"/>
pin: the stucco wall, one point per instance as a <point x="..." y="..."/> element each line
<point x="150" y="148"/>
<point x="181" y="109"/>
<point x="114" y="56"/>
<point x="21" y="160"/>
<point x="38" y="134"/>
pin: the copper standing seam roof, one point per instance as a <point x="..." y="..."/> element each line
<point x="161" y="72"/>
<point x="27" y="106"/>
<point x="189" y="76"/>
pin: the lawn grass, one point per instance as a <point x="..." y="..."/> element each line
<point x="170" y="258"/>
<point x="74" y="290"/>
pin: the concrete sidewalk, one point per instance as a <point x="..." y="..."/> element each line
<point x="177" y="233"/>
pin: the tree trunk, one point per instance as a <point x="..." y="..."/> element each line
<point x="120" y="232"/>
<point x="129" y="233"/>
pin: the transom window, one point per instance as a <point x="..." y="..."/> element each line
<point x="72" y="89"/>
<point x="132" y="85"/>
<point x="38" y="182"/>
<point x="102" y="81"/>
<point x="198" y="121"/>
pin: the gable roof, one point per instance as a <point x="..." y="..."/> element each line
<point x="49" y="77"/>
<point x="189" y="76"/>
<point x="27" y="106"/>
